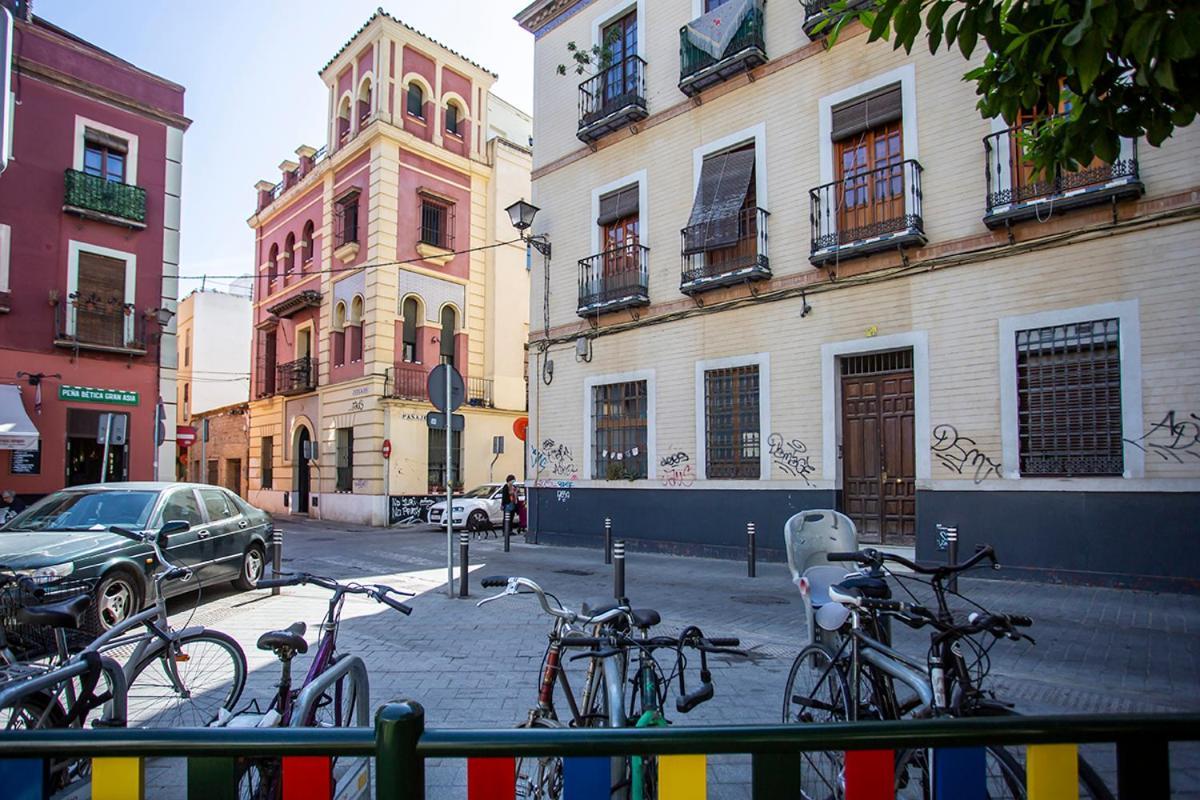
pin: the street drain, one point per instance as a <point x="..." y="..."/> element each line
<point x="582" y="573"/>
<point x="760" y="599"/>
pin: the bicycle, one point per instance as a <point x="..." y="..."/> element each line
<point x="857" y="680"/>
<point x="334" y="690"/>
<point x="603" y="701"/>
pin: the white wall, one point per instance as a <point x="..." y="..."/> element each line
<point x="221" y="337"/>
<point x="508" y="122"/>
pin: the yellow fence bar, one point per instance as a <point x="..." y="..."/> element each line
<point x="118" y="779"/>
<point x="682" y="778"/>
<point x="1052" y="772"/>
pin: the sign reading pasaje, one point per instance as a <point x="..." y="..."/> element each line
<point x="119" y="397"/>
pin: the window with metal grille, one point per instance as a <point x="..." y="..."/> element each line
<point x="1069" y="399"/>
<point x="345" y="219"/>
<point x="267" y="461"/>
<point x="437" y="460"/>
<point x="732" y="434"/>
<point x="345" y="460"/>
<point x="877" y="363"/>
<point x="619" y="414"/>
<point x="437" y="223"/>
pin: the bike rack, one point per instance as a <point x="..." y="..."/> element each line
<point x="116" y="708"/>
<point x="357" y="670"/>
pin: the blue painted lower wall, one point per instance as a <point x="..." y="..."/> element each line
<point x="1138" y="539"/>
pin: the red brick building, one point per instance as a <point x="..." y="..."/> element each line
<point x="89" y="247"/>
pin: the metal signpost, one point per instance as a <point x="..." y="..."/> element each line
<point x="447" y="392"/>
<point x="111" y="431"/>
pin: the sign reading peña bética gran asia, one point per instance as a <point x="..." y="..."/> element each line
<point x="119" y="397"/>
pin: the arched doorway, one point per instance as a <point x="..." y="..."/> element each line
<point x="301" y="453"/>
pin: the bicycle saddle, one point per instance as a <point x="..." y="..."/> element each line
<point x="642" y="617"/>
<point x="63" y="614"/>
<point x="291" y="639"/>
<point x="874" y="588"/>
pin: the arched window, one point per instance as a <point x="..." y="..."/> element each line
<point x="354" y="331"/>
<point x="409" y="311"/>
<point x="364" y="101"/>
<point x="453" y="119"/>
<point x="339" y="316"/>
<point x="343" y="120"/>
<point x="337" y="337"/>
<point x="415" y="102"/>
<point x="289" y="253"/>
<point x="273" y="264"/>
<point x="306" y="243"/>
<point x="448" y="320"/>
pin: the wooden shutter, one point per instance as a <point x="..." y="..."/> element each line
<point x="617" y="205"/>
<point x="724" y="182"/>
<point x="100" y="300"/>
<point x="870" y="111"/>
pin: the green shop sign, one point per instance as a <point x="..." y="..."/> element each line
<point x="117" y="397"/>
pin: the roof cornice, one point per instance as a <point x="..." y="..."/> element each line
<point x="542" y="15"/>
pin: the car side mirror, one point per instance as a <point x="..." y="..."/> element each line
<point x="171" y="527"/>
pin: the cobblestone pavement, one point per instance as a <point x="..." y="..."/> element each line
<point x="1098" y="650"/>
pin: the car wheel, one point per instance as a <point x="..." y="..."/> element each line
<point x="118" y="597"/>
<point x="253" y="563"/>
<point x="478" y="521"/>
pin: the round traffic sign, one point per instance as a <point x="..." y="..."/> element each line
<point x="520" y="427"/>
<point x="436" y="385"/>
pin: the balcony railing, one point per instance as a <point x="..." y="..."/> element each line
<point x="614" y="279"/>
<point x="91" y="322"/>
<point x="699" y="69"/>
<point x="296" y="377"/>
<point x="407" y="382"/>
<point x="713" y="258"/>
<point x="815" y="11"/>
<point x="1015" y="191"/>
<point x="612" y="99"/>
<point x="479" y="392"/>
<point x="96" y="198"/>
<point x="874" y="210"/>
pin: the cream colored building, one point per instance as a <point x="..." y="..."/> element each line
<point x="380" y="256"/>
<point x="787" y="277"/>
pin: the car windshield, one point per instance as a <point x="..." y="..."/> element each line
<point x="86" y="511"/>
<point x="481" y="491"/>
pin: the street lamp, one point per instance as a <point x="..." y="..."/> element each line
<point x="163" y="316"/>
<point x="522" y="214"/>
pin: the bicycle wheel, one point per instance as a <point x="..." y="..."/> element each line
<point x="187" y="684"/>
<point x="1005" y="776"/>
<point x="40" y="711"/>
<point x="259" y="779"/>
<point x="539" y="778"/>
<point x="816" y="693"/>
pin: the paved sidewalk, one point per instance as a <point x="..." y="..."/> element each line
<point x="1098" y="650"/>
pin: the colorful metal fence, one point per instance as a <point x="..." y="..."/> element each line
<point x="399" y="746"/>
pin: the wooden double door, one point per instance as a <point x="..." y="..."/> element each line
<point x="878" y="446"/>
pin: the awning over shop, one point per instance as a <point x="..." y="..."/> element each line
<point x="17" y="431"/>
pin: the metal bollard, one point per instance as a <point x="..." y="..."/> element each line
<point x="464" y="542"/>
<point x="608" y="540"/>
<point x="276" y="555"/>
<point x="751" y="552"/>
<point x="507" y="529"/>
<point x="619" y="572"/>
<point x="948" y="541"/>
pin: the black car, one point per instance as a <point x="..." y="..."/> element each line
<point x="63" y="543"/>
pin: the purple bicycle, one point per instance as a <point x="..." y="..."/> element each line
<point x="334" y="693"/>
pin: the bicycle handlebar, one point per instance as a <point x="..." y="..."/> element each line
<point x="514" y="584"/>
<point x="378" y="592"/>
<point x="871" y="557"/>
<point x="172" y="570"/>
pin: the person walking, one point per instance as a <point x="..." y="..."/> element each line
<point x="508" y="500"/>
<point x="10" y="505"/>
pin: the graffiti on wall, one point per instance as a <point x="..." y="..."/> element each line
<point x="961" y="455"/>
<point x="553" y="457"/>
<point x="1172" y="437"/>
<point x="791" y="457"/>
<point x="677" y="470"/>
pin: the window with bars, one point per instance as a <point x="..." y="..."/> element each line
<point x="345" y="219"/>
<point x="1069" y="399"/>
<point x="619" y="420"/>
<point x="345" y="460"/>
<point x="733" y="443"/>
<point x="437" y="460"/>
<point x="267" y="468"/>
<point x="437" y="223"/>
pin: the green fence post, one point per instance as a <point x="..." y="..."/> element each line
<point x="775" y="775"/>
<point x="1143" y="769"/>
<point x="399" y="769"/>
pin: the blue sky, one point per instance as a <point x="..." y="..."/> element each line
<point x="250" y="70"/>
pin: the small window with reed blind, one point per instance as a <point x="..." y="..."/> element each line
<point x="267" y="463"/>
<point x="99" y="300"/>
<point x="345" y="460"/>
<point x="619" y="435"/>
<point x="732" y="437"/>
<point x="345" y="219"/>
<point x="1069" y="399"/>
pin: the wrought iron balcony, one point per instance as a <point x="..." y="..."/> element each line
<point x="873" y="210"/>
<point x="816" y="11"/>
<point x="407" y="382"/>
<point x="714" y="257"/>
<point x="479" y="392"/>
<point x="614" y="279"/>
<point x="104" y="324"/>
<point x="296" y="377"/>
<point x="108" y="201"/>
<point x="699" y="69"/>
<point x="612" y="99"/>
<point x="1015" y="192"/>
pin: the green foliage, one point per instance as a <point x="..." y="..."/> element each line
<point x="1128" y="68"/>
<point x="593" y="60"/>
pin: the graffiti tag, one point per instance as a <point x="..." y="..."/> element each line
<point x="791" y="457"/>
<point x="1170" y="438"/>
<point x="564" y="495"/>
<point x="555" y="457"/>
<point x="959" y="454"/>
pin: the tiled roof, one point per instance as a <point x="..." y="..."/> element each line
<point x="379" y="12"/>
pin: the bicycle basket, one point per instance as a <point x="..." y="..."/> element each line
<point x="33" y="642"/>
